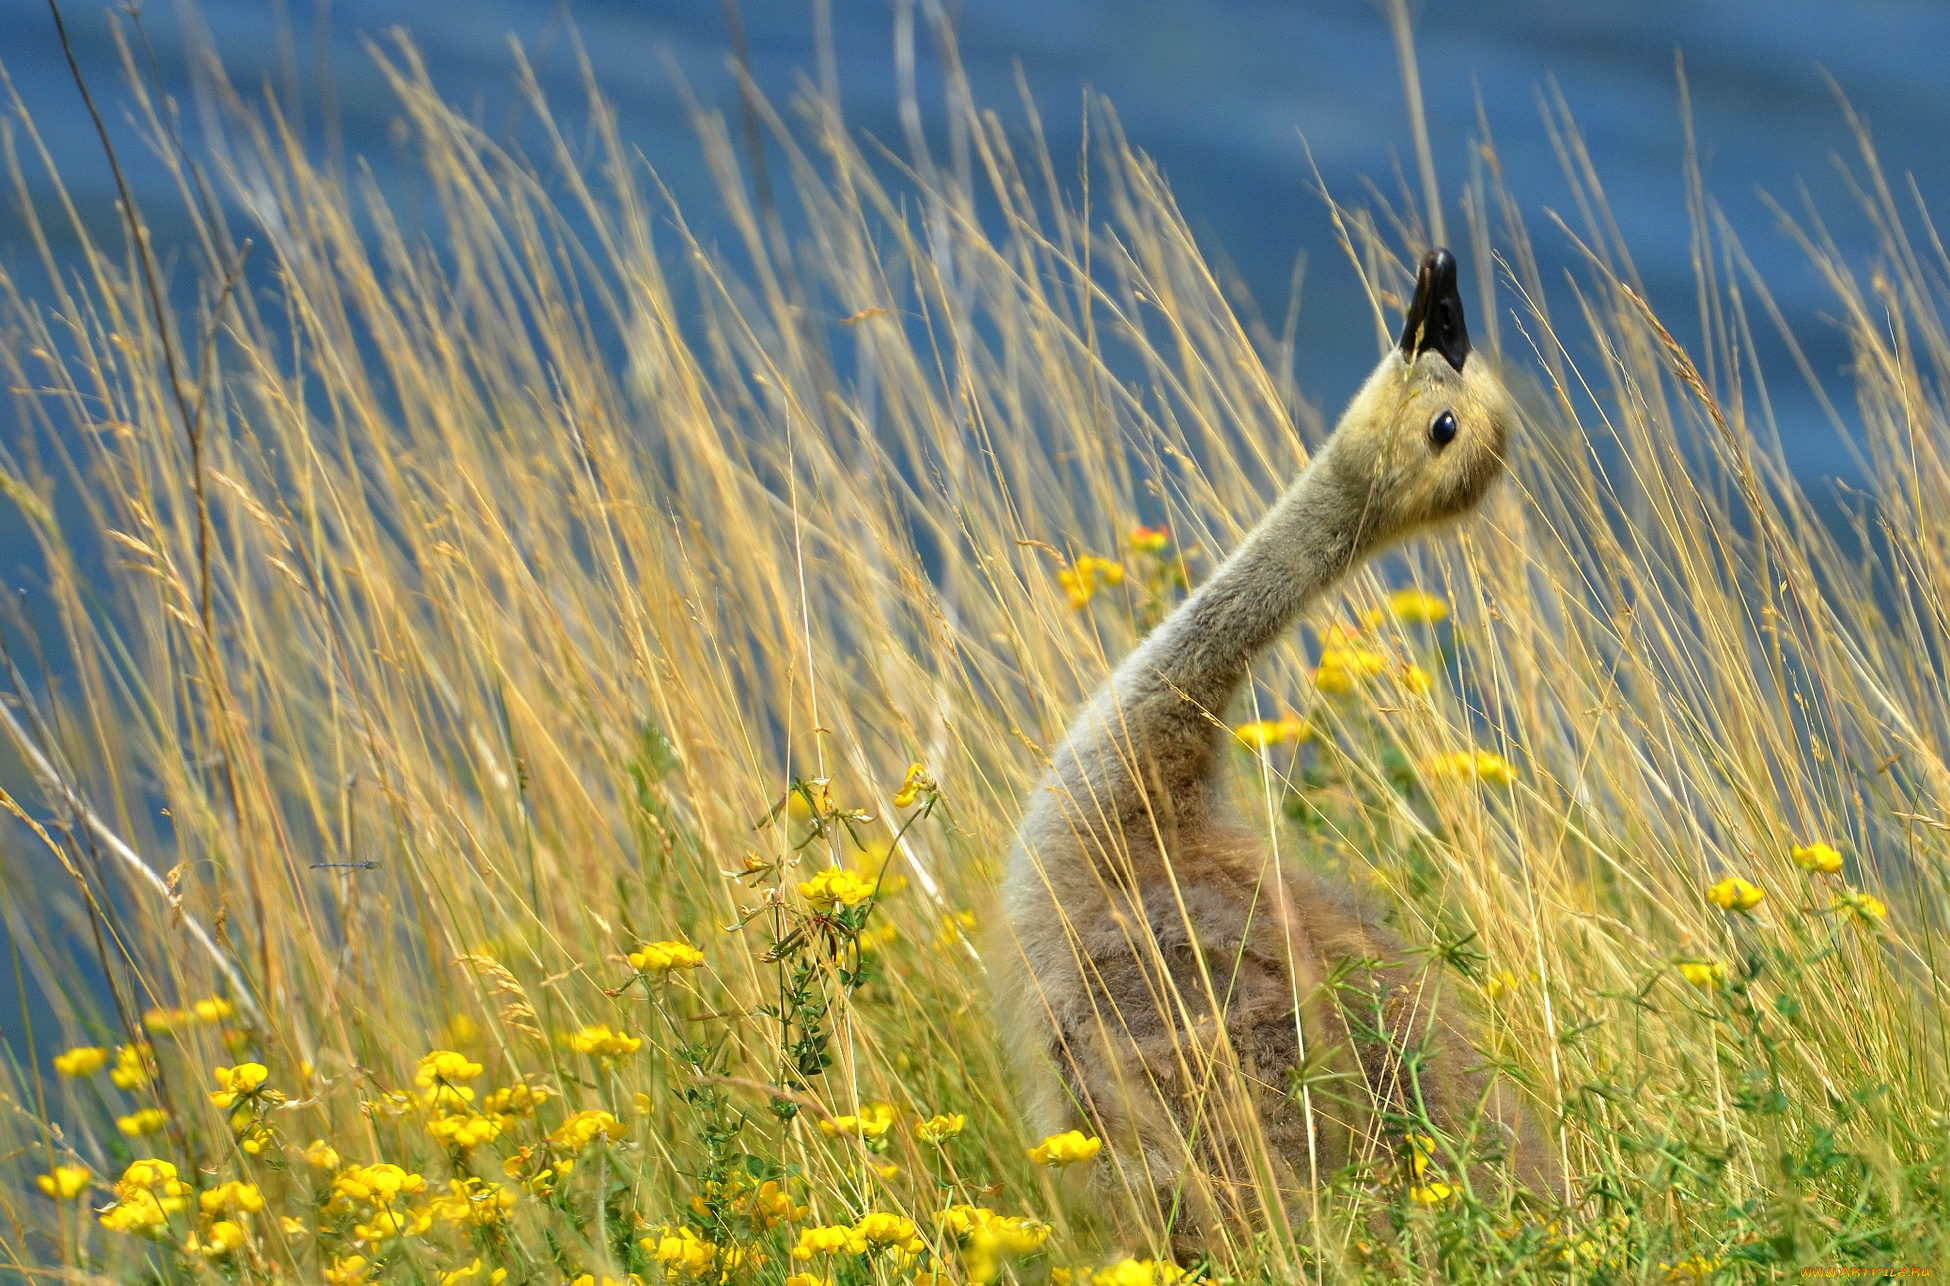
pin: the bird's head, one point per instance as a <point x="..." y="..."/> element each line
<point x="1423" y="440"/>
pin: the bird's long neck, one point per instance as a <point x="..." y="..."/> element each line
<point x="1295" y="554"/>
<point x="1152" y="733"/>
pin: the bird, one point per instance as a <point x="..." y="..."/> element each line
<point x="1174" y="991"/>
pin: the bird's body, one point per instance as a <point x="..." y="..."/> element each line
<point x="1179" y="991"/>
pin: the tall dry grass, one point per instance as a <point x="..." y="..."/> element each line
<point x="424" y="660"/>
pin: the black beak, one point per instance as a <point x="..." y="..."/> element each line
<point x="1435" y="319"/>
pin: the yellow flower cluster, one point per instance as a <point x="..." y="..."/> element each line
<point x="145" y="1120"/>
<point x="836" y="887"/>
<point x="1818" y="856"/>
<point x="989" y="1241"/>
<point x="66" y="1183"/>
<point x="913" y="786"/>
<point x="685" y="1256"/>
<point x="1081" y="582"/>
<point x="375" y="1187"/>
<point x="874" y="1120"/>
<point x="84" y="1060"/>
<point x="767" y="1205"/>
<point x="663" y="957"/>
<point x="1150" y="540"/>
<point x="1472" y="765"/>
<point x="213" y="1010"/>
<point x="1343" y="669"/>
<point x="146" y="1195"/>
<point x="473" y="1203"/>
<point x="937" y="1130"/>
<point x="1707" y="975"/>
<point x="600" y="1042"/>
<point x="1413" y="607"/>
<point x="875" y="1230"/>
<point x="243" y="1083"/>
<point x="1261" y="734"/>
<point x="231" y="1197"/>
<point x="1868" y="908"/>
<point x="583" y="1128"/>
<point x="134" y="1064"/>
<point x="1138" y="1272"/>
<point x="1068" y="1148"/>
<point x="517" y="1100"/>
<point x="1735" y="894"/>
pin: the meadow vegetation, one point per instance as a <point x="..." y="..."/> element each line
<point x="503" y="813"/>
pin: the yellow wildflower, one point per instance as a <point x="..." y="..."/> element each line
<point x="1817" y="856"/>
<point x="163" y="1020"/>
<point x="913" y="786"/>
<point x="604" y="1043"/>
<point x="222" y="1237"/>
<point x="1138" y="1272"/>
<point x="1735" y="894"/>
<point x="242" y="1082"/>
<point x="1696" y="1267"/>
<point x="83" y="1060"/>
<point x="876" y="937"/>
<point x="146" y="1195"/>
<point x="1343" y="669"/>
<point x="1414" y="680"/>
<point x="1431" y="1194"/>
<point x="1421" y="1151"/>
<point x="1704" y="974"/>
<point x="466" y="1130"/>
<point x="135" y="1066"/>
<point x="989" y="1240"/>
<point x="1081" y="582"/>
<point x="231" y="1196"/>
<point x="681" y="1252"/>
<point x="1472" y="765"/>
<point x="835" y="887"/>
<point x="878" y="1229"/>
<point x="644" y="1106"/>
<point x="382" y="1225"/>
<point x="829" y="1239"/>
<point x="320" y="1154"/>
<point x="294" y="1229"/>
<point x="347" y="1272"/>
<point x="873" y="1121"/>
<point x="1499" y="984"/>
<point x="213" y="1010"/>
<point x="1413" y="607"/>
<point x="516" y="1100"/>
<point x="1150" y="540"/>
<point x="66" y="1183"/>
<point x="459" y="1276"/>
<point x="663" y="957"/>
<point x="1263" y="733"/>
<point x="1067" y="1148"/>
<point x="1868" y="908"/>
<point x="584" y="1128"/>
<point x="142" y="1121"/>
<point x="443" y="1067"/>
<point x="871" y="863"/>
<point x="472" y="1202"/>
<point x="380" y="1184"/>
<point x="808" y="1279"/>
<point x="939" y="1129"/>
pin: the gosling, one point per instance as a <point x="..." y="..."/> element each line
<point x="1175" y="992"/>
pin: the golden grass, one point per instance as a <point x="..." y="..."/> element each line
<point x="509" y="653"/>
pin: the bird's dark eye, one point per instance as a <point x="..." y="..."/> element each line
<point x="1442" y="430"/>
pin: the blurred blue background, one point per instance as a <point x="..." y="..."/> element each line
<point x="1221" y="92"/>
